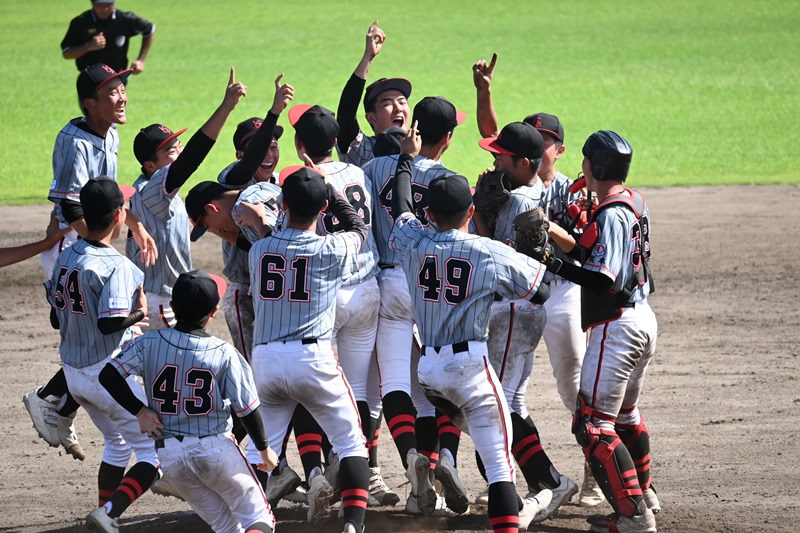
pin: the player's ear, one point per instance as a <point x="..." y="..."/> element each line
<point x="150" y="167"/>
<point x="239" y="154"/>
<point x="560" y="151"/>
<point x="470" y="212"/>
<point x="213" y="312"/>
<point x="370" y="116"/>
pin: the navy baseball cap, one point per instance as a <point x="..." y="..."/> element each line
<point x="388" y="142"/>
<point x="151" y="139"/>
<point x="304" y="191"/>
<point x="435" y="116"/>
<point x="385" y="84"/>
<point x="449" y="195"/>
<point x="95" y="76"/>
<point x="247" y="128"/>
<point x="196" y="293"/>
<point x="546" y="123"/>
<point x="516" y="139"/>
<point x="316" y="127"/>
<point x="201" y="194"/>
<point x="102" y="196"/>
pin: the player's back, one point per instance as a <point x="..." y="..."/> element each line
<point x="295" y="276"/>
<point x="453" y="278"/>
<point x="190" y="380"/>
<point x="380" y="173"/>
<point x="91" y="282"/>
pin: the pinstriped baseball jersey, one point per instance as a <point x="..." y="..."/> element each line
<point x="617" y="249"/>
<point x="522" y="199"/>
<point x="164" y="217"/>
<point x="265" y="193"/>
<point x="79" y="156"/>
<point x="453" y="277"/>
<point x="360" y="150"/>
<point x="557" y="197"/>
<point x="380" y="174"/>
<point x="235" y="260"/>
<point x="91" y="282"/>
<point x="294" y="278"/>
<point x="132" y="251"/>
<point x="350" y="182"/>
<point x="193" y="381"/>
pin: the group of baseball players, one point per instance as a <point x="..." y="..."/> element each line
<point x="379" y="286"/>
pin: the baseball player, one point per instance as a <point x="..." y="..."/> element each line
<point x="563" y="336"/>
<point x="517" y="151"/>
<point x="385" y="104"/>
<point x="194" y="382"/>
<point x="96" y="296"/>
<point x="102" y="35"/>
<point x="85" y="148"/>
<point x="166" y="166"/>
<point x="616" y="281"/>
<point x="453" y="278"/>
<point x="358" y="301"/>
<point x="257" y="156"/>
<point x="403" y="402"/>
<point x="295" y="275"/>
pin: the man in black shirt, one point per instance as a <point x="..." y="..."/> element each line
<point x="102" y="35"/>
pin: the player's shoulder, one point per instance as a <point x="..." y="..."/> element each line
<point x="258" y="191"/>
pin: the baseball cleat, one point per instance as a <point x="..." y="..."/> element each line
<point x="421" y="488"/>
<point x="319" y="499"/>
<point x="282" y="485"/>
<point x="99" y="521"/>
<point x="639" y="523"/>
<point x="565" y="490"/>
<point x="332" y="473"/>
<point x="651" y="499"/>
<point x="440" y="508"/>
<point x="300" y="495"/>
<point x="43" y="416"/>
<point x="350" y="527"/>
<point x="591" y="495"/>
<point x="482" y="498"/>
<point x="454" y="493"/>
<point x="379" y="492"/>
<point x="163" y="487"/>
<point x="532" y="505"/>
<point x="65" y="428"/>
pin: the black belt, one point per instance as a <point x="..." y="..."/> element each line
<point x="384" y="267"/>
<point x="311" y="340"/>
<point x="179" y="438"/>
<point x="457" y="347"/>
<point x="628" y="305"/>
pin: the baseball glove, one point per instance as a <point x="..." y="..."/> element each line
<point x="491" y="193"/>
<point x="531" y="227"/>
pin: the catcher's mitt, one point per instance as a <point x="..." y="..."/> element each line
<point x="531" y="227"/>
<point x="491" y="193"/>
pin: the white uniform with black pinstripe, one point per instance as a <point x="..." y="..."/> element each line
<point x="565" y="340"/>
<point x="78" y="156"/>
<point x="453" y="278"/>
<point x="194" y="382"/>
<point x="515" y="325"/>
<point x="236" y="303"/>
<point x="294" y="277"/>
<point x="91" y="282"/>
<point x="358" y="301"/>
<point x="396" y="318"/>
<point x="164" y="217"/>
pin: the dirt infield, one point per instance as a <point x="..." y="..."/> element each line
<point x="721" y="398"/>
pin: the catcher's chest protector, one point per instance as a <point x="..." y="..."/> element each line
<point x="598" y="308"/>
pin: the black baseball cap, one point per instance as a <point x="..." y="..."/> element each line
<point x="518" y="139"/>
<point x="546" y="123"/>
<point x="388" y="142"/>
<point x="449" y="195"/>
<point x="196" y="293"/>
<point x="95" y="76"/>
<point x="151" y="139"/>
<point x="201" y="194"/>
<point x="385" y="84"/>
<point x="435" y="116"/>
<point x="304" y="191"/>
<point x="316" y="127"/>
<point x="102" y="196"/>
<point x="247" y="128"/>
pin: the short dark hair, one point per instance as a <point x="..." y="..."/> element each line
<point x="451" y="221"/>
<point x="536" y="164"/>
<point x="101" y="223"/>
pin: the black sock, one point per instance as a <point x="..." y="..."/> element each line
<point x="70" y="405"/>
<point x="308" y="436"/>
<point x="108" y="479"/>
<point x="449" y="435"/>
<point x="354" y="482"/>
<point x="530" y="455"/>
<point x="504" y="506"/>
<point x="375" y="425"/>
<point x="401" y="419"/>
<point x="57" y="386"/>
<point x="134" y="484"/>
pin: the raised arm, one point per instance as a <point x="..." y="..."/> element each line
<point x="402" y="198"/>
<point x="482" y="77"/>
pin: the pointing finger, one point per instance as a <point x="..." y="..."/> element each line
<point x="494" y="60"/>
<point x="278" y="80"/>
<point x="233" y="77"/>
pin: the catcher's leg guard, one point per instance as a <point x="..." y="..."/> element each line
<point x="636" y="439"/>
<point x="611" y="463"/>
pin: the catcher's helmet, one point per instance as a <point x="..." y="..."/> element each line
<point x="610" y="155"/>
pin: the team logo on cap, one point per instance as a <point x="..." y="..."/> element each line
<point x="109" y="69"/>
<point x="257" y="123"/>
<point x="165" y="130"/>
<point x="538" y="122"/>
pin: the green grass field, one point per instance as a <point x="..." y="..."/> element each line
<point x="704" y="91"/>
